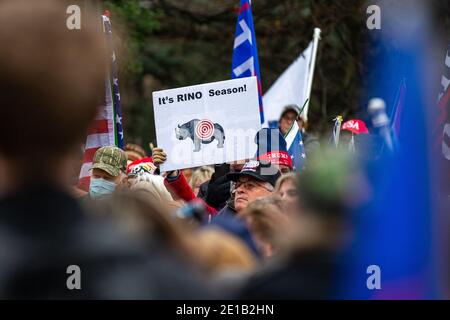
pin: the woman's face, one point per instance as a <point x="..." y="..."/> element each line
<point x="198" y="183"/>
<point x="288" y="193"/>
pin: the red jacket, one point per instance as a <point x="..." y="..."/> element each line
<point x="180" y="187"/>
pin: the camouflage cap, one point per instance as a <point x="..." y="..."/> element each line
<point x="110" y="159"/>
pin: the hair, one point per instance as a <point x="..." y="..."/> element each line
<point x="51" y="80"/>
<point x="152" y="184"/>
<point x="219" y="251"/>
<point x="140" y="214"/>
<point x="134" y="151"/>
<point x="292" y="177"/>
<point x="202" y="173"/>
<point x="265" y="218"/>
<point x="289" y="108"/>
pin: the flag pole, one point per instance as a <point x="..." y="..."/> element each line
<point x="337" y="129"/>
<point x="351" y="145"/>
<point x="316" y="38"/>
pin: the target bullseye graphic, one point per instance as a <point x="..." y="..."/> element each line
<point x="204" y="129"/>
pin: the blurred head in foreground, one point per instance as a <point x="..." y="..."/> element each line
<point x="51" y="79"/>
<point x="266" y="222"/>
<point x="220" y="252"/>
<point x="328" y="191"/>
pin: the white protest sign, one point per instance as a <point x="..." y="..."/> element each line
<point x="208" y="123"/>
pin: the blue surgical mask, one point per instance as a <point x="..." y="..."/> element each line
<point x="100" y="187"/>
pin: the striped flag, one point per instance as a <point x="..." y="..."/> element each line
<point x="295" y="147"/>
<point x="245" y="53"/>
<point x="106" y="130"/>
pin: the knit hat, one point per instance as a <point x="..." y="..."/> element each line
<point x="148" y="160"/>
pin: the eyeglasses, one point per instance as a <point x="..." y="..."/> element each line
<point x="251" y="185"/>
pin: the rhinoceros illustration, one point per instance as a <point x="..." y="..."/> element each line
<point x="201" y="132"/>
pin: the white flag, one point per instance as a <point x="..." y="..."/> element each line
<point x="289" y="88"/>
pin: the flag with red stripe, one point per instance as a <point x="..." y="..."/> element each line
<point x="106" y="129"/>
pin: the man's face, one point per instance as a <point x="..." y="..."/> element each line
<point x="98" y="173"/>
<point x="287" y="121"/>
<point x="248" y="190"/>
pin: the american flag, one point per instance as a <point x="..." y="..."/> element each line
<point x="245" y="53"/>
<point x="106" y="129"/>
<point x="295" y="147"/>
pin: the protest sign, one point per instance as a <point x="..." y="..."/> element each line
<point x="208" y="123"/>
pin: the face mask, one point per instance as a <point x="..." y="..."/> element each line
<point x="101" y="187"/>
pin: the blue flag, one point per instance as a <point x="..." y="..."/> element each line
<point x="295" y="147"/>
<point x="392" y="255"/>
<point x="245" y="52"/>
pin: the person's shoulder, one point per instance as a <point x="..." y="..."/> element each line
<point x="296" y="276"/>
<point x="109" y="263"/>
<point x="225" y="212"/>
<point x="309" y="136"/>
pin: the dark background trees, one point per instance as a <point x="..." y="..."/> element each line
<point x="173" y="43"/>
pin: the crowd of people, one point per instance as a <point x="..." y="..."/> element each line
<point x="249" y="229"/>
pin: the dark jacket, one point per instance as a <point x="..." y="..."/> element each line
<point x="43" y="231"/>
<point x="304" y="275"/>
<point x="218" y="188"/>
<point x="311" y="143"/>
<point x="228" y="221"/>
<point x="228" y="210"/>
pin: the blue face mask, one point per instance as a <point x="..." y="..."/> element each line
<point x="100" y="187"/>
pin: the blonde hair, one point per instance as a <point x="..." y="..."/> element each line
<point x="203" y="174"/>
<point x="266" y="219"/>
<point x="219" y="252"/>
<point x="152" y="184"/>
<point x="284" y="178"/>
<point x="139" y="214"/>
